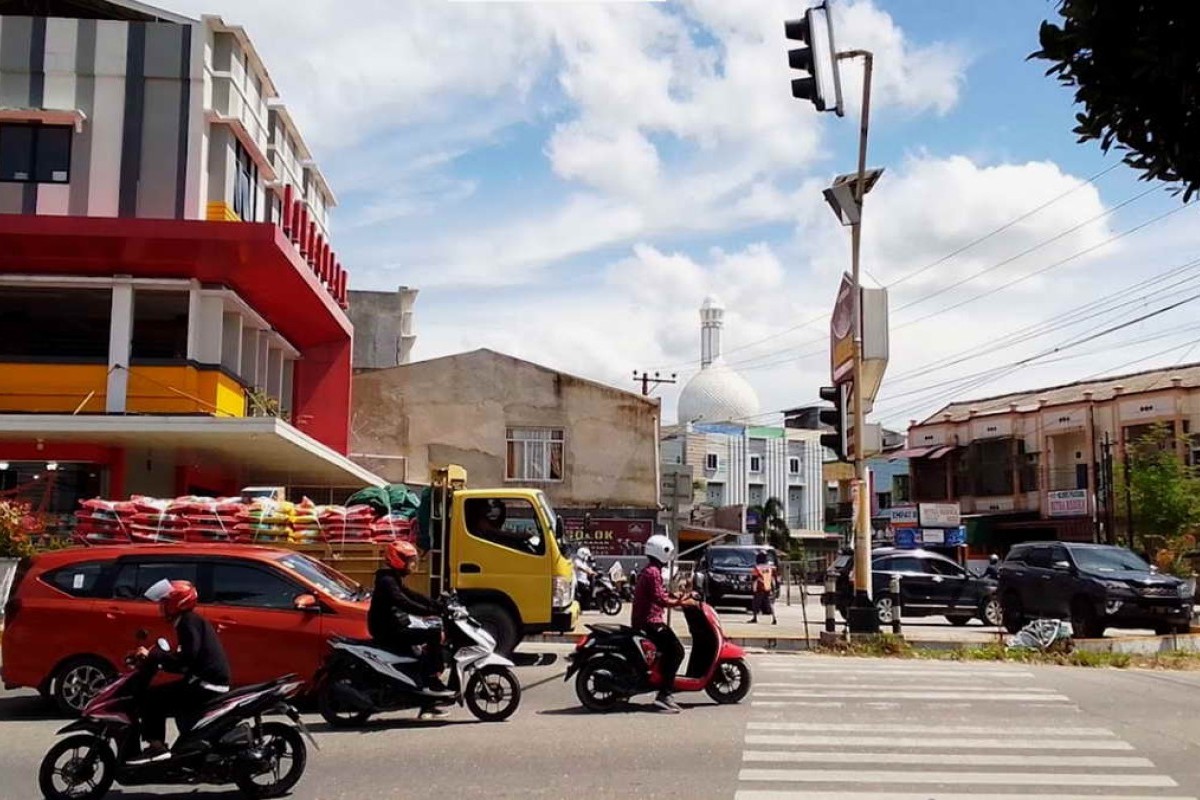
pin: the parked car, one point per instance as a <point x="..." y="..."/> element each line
<point x="73" y="613"/>
<point x="1094" y="586"/>
<point x="723" y="573"/>
<point x="930" y="585"/>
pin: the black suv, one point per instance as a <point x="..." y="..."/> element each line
<point x="723" y="574"/>
<point x="930" y="585"/>
<point x="1094" y="586"/>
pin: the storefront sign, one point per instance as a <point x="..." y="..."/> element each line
<point x="903" y="516"/>
<point x="939" y="515"/>
<point x="608" y="537"/>
<point x="938" y="537"/>
<point x="1069" y="503"/>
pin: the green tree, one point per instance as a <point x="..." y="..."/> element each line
<point x="1135" y="68"/>
<point x="1165" y="494"/>
<point x="773" y="524"/>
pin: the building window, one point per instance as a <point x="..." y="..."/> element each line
<point x="55" y="324"/>
<point x="535" y="454"/>
<point x="901" y="492"/>
<point x="160" y="325"/>
<point x="756" y="463"/>
<point x="710" y="462"/>
<point x="793" y="466"/>
<point x="884" y="500"/>
<point x="35" y="153"/>
<point x="245" y="188"/>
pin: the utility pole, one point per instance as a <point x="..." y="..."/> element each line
<point x="650" y="383"/>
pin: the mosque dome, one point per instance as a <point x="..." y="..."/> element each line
<point x="716" y="393"/>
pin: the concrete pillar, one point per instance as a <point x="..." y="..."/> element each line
<point x="264" y="353"/>
<point x="206" y="325"/>
<point x="287" y="382"/>
<point x="120" y="337"/>
<point x="274" y="383"/>
<point x="231" y="341"/>
<point x="248" y="371"/>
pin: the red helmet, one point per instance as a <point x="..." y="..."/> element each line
<point x="400" y="555"/>
<point x="173" y="597"/>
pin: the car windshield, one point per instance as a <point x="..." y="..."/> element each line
<point x="1108" y="559"/>
<point x="733" y="559"/>
<point x="332" y="583"/>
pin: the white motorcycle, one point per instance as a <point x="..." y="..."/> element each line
<point x="360" y="679"/>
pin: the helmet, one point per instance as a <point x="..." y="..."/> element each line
<point x="994" y="560"/>
<point x="400" y="555"/>
<point x="173" y="597"/>
<point x="660" y="548"/>
<point x="584" y="553"/>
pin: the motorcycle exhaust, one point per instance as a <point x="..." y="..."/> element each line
<point x="349" y="697"/>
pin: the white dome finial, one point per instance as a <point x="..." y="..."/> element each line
<point x="712" y="319"/>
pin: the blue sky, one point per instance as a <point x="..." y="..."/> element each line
<point x="566" y="182"/>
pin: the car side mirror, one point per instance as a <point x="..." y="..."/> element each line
<point x="1153" y="569"/>
<point x="307" y="603"/>
<point x="1062" y="566"/>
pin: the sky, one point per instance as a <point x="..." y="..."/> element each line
<point x="565" y="182"/>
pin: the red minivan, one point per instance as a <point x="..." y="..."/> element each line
<point x="74" y="614"/>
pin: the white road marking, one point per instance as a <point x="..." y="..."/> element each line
<point x="897" y="694"/>
<point x="945" y="778"/>
<point x="821" y="794"/>
<point x="949" y="744"/>
<point x="980" y="730"/>
<point x="924" y="687"/>
<point x="945" y="759"/>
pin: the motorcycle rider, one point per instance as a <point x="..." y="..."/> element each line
<point x="201" y="660"/>
<point x="584" y="573"/>
<point x="390" y="625"/>
<point x="993" y="567"/>
<point x="650" y="601"/>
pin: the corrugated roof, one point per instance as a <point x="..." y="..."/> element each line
<point x="1102" y="389"/>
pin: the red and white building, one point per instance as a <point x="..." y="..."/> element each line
<point x="172" y="309"/>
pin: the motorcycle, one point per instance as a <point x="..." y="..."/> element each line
<point x="614" y="663"/>
<point x="359" y="679"/>
<point x="599" y="594"/>
<point x="230" y="744"/>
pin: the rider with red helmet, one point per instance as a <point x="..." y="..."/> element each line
<point x="199" y="658"/>
<point x="389" y="623"/>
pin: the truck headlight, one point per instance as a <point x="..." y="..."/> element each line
<point x="1186" y="590"/>
<point x="564" y="592"/>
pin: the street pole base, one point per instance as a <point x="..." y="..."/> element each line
<point x="863" y="619"/>
<point x="832" y="639"/>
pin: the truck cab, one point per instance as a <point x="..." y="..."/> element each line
<point x="498" y="549"/>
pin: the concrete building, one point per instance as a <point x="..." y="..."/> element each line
<point x="591" y="448"/>
<point x="383" y="327"/>
<point x="739" y="465"/>
<point x="1029" y="464"/>
<point x="169" y="298"/>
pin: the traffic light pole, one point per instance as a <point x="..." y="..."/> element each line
<point x="861" y="617"/>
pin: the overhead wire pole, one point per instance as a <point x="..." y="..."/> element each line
<point x="646" y="381"/>
<point x="862" y="613"/>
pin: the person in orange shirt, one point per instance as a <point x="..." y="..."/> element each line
<point x="763" y="577"/>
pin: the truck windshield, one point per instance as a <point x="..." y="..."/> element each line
<point x="548" y="510"/>
<point x="332" y="583"/>
<point x="733" y="559"/>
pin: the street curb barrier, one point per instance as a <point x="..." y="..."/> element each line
<point x="1142" y="645"/>
<point x="782" y="644"/>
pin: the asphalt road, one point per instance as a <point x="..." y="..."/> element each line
<point x="815" y="728"/>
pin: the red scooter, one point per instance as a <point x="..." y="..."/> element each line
<point x="613" y="663"/>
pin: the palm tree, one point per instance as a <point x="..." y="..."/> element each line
<point x="773" y="528"/>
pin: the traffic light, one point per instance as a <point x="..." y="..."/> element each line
<point x="837" y="418"/>
<point x="814" y="64"/>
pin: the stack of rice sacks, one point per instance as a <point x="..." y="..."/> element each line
<point x="265" y="521"/>
<point x="209" y="519"/>
<point x="394" y="527"/>
<point x="341" y="525"/>
<point x="306" y="522"/>
<point x="154" y="521"/>
<point x="104" y="522"/>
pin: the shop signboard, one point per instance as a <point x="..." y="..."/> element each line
<point x="939" y="515"/>
<point x="608" y="536"/>
<point x="903" y="516"/>
<point x="1069" y="503"/>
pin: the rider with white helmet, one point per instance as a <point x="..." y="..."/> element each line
<point x="650" y="601"/>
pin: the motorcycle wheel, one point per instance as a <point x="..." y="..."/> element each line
<point x="87" y="773"/>
<point x="611" y="605"/>
<point x="332" y="711"/>
<point x="591" y="694"/>
<point x="493" y="693"/>
<point x="289" y="758"/>
<point x="730" y="683"/>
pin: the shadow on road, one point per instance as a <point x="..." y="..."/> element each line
<point x="28" y="708"/>
<point x="390" y="724"/>
<point x="624" y="708"/>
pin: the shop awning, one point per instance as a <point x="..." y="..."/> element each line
<point x="939" y="452"/>
<point x="912" y="452"/>
<point x="260" y="450"/>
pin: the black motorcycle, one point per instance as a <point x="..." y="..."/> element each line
<point x="600" y="594"/>
<point x="230" y="744"/>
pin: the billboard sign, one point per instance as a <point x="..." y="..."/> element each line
<point x="1069" y="503"/>
<point x="608" y="537"/>
<point x="939" y="515"/>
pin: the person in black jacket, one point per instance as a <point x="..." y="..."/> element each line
<point x="389" y="619"/>
<point x="200" y="659"/>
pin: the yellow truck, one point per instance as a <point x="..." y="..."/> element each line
<point x="498" y="549"/>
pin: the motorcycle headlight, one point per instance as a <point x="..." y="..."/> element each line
<point x="564" y="592"/>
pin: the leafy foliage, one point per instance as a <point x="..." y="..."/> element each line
<point x="1166" y="498"/>
<point x="15" y="524"/>
<point x="1135" y="68"/>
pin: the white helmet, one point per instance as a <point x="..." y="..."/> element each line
<point x="659" y="548"/>
<point x="583" y="553"/>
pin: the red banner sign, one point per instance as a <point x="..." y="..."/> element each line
<point x="608" y="537"/>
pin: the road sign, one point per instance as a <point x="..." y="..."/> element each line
<point x="841" y="332"/>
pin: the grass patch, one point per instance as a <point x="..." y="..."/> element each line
<point x="888" y="646"/>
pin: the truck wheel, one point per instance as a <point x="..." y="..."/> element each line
<point x="497" y="621"/>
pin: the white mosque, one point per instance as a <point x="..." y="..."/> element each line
<point x="716" y="393"/>
<point x="735" y="457"/>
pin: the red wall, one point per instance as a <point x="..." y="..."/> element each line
<point x="321" y="394"/>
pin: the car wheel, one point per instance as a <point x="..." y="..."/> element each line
<point x="1085" y="623"/>
<point x="990" y="612"/>
<point x="959" y="621"/>
<point x="1014" y="617"/>
<point x="78" y="681"/>
<point x="884" y="609"/>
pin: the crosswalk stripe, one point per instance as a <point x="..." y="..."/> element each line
<point x="912" y="687"/>
<point x="888" y="694"/>
<point x="776" y="794"/>
<point x="800" y="703"/>
<point x="870" y="727"/>
<point x="957" y="743"/>
<point x="949" y="778"/>
<point x="946" y="759"/>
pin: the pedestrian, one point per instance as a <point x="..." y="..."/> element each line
<point x="763" y="576"/>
